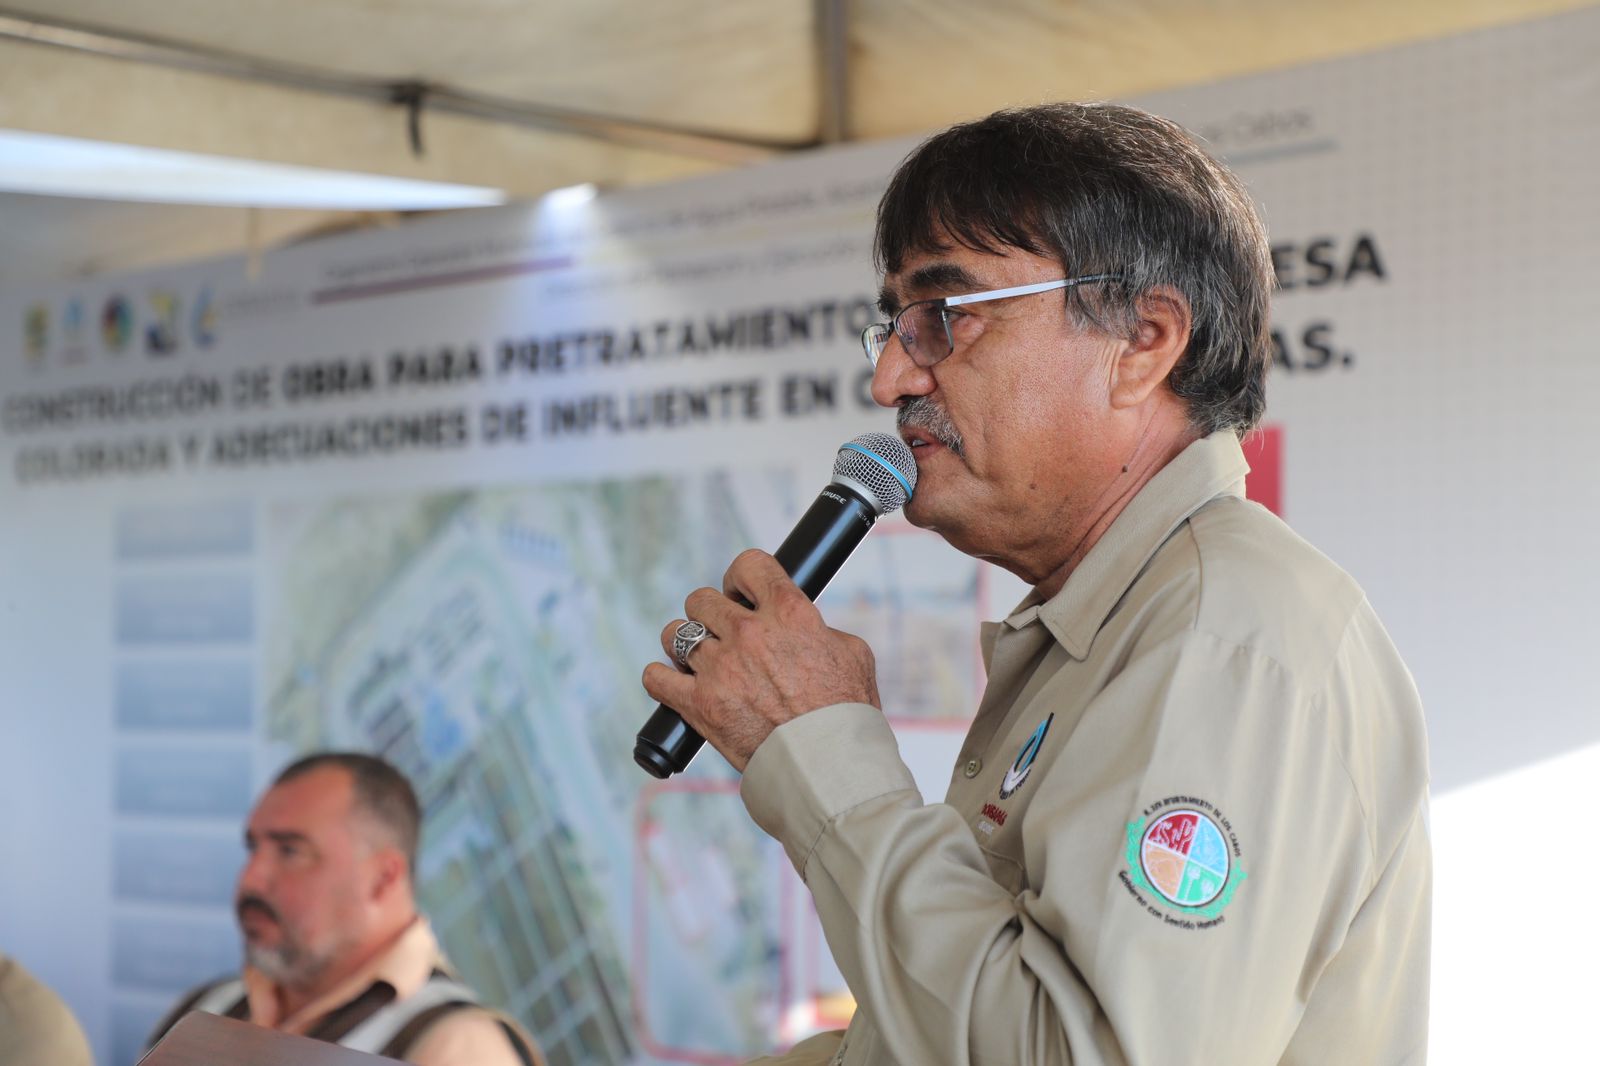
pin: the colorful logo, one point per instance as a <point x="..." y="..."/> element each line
<point x="72" y="346"/>
<point x="36" y="331"/>
<point x="116" y="324"/>
<point x="203" y="320"/>
<point x="1018" y="772"/>
<point x="1184" y="858"/>
<point x="161" y="333"/>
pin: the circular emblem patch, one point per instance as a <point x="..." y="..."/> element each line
<point x="1185" y="858"/>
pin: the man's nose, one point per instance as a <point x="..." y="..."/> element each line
<point x="254" y="876"/>
<point x="896" y="378"/>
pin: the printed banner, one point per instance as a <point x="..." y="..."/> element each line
<point x="434" y="491"/>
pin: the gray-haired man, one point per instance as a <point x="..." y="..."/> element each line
<point x="1188" y="824"/>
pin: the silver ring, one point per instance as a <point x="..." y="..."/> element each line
<point x="684" y="640"/>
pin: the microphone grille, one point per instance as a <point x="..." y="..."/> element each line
<point x="882" y="464"/>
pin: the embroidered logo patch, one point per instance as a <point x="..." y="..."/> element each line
<point x="1018" y="772"/>
<point x="1184" y="852"/>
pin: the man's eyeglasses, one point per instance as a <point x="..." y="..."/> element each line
<point x="924" y="327"/>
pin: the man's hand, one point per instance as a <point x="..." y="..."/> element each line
<point x="763" y="664"/>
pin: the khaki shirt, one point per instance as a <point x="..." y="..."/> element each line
<point x="1188" y="824"/>
<point x="35" y="1025"/>
<point x="466" y="1037"/>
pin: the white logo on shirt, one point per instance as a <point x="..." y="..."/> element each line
<point x="1018" y="772"/>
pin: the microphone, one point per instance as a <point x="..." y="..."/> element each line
<point x="873" y="475"/>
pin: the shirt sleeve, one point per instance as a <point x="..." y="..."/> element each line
<point x="469" y="1038"/>
<point x="816" y="1050"/>
<point x="1078" y="967"/>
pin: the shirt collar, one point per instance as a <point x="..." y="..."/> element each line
<point x="405" y="965"/>
<point x="1210" y="467"/>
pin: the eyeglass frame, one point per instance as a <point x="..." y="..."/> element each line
<point x="891" y="328"/>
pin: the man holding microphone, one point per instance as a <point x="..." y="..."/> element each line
<point x="1188" y="824"/>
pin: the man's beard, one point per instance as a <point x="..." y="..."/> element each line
<point x="290" y="963"/>
<point x="925" y="415"/>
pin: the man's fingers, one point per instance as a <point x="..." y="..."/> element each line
<point x="757" y="577"/>
<point x="669" y="638"/>
<point x="666" y="685"/>
<point x="718" y="613"/>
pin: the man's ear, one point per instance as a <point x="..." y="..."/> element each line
<point x="390" y="871"/>
<point x="1160" y="338"/>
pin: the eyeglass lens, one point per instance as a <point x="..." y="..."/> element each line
<point x="922" y="330"/>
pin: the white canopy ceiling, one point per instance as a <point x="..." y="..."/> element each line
<point x="527" y="96"/>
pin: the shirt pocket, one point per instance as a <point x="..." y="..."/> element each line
<point x="1006" y="871"/>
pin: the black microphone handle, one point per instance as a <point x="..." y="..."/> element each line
<point x="812" y="553"/>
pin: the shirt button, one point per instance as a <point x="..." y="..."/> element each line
<point x="972" y="767"/>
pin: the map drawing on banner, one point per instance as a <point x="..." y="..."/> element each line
<point x="489" y="643"/>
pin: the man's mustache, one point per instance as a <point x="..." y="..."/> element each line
<point x="255" y="903"/>
<point x="923" y="414"/>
